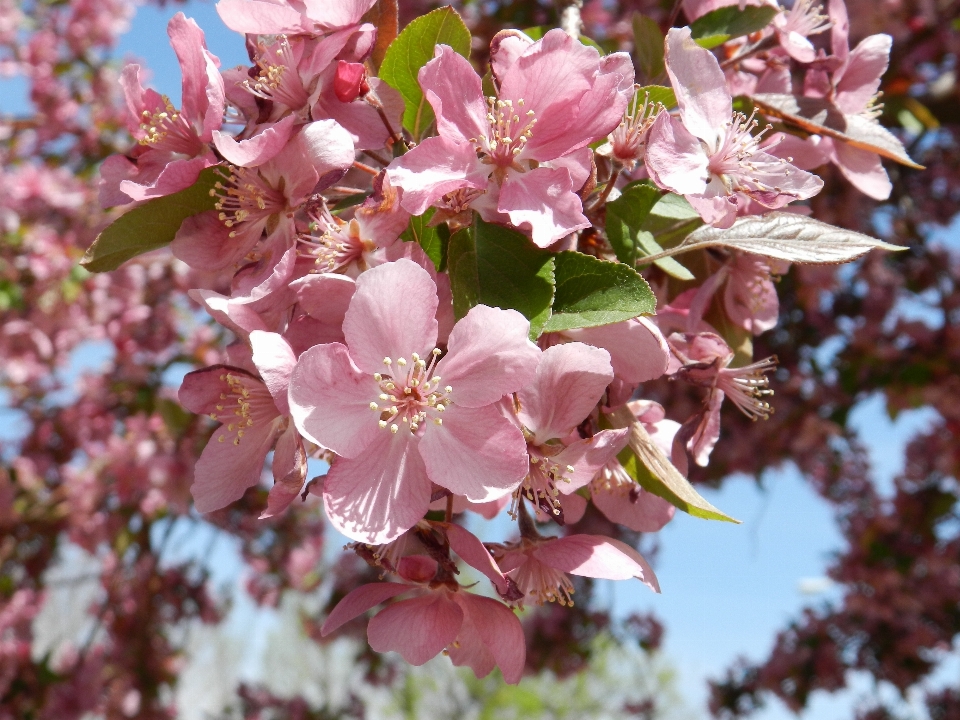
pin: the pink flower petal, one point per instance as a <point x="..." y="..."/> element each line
<point x="544" y="201"/>
<point x="330" y="400"/>
<point x="500" y="632"/>
<point x="570" y="380"/>
<point x="392" y="315"/>
<point x="468" y="546"/>
<point x="863" y="169"/>
<point x="257" y="149"/>
<point x="418" y="628"/>
<point x="377" y="496"/>
<point x="701" y="88"/>
<point x="477" y="452"/>
<point x="489" y="354"/>
<point x="203" y="95"/>
<point x="275" y="361"/>
<point x="860" y="78"/>
<point x="260" y="17"/>
<point x="335" y="15"/>
<point x="358" y="601"/>
<point x="203" y="242"/>
<point x="434" y="168"/>
<point x="289" y="473"/>
<point x="638" y="350"/>
<point x="452" y="87"/>
<point x="597" y="557"/>
<point x="505" y="47"/>
<point x="587" y="457"/>
<point x="646" y="513"/>
<point x="674" y="157"/>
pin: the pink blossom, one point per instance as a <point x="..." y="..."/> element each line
<point x="709" y="155"/>
<point x="570" y="380"/>
<point x="398" y="423"/>
<point x="293" y="17"/>
<point x="522" y="157"/>
<point x="252" y="201"/>
<point x="749" y="295"/>
<point x="173" y="144"/>
<point x="704" y="359"/>
<point x="795" y="25"/>
<point x="539" y="565"/>
<point x="255" y="416"/>
<point x="618" y="496"/>
<point x="442" y="616"/>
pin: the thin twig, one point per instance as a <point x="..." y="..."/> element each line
<point x="365" y="168"/>
<point x="606" y="190"/>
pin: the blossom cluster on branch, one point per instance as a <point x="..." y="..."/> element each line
<point x="433" y="276"/>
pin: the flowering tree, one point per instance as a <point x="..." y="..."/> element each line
<point x="517" y="281"/>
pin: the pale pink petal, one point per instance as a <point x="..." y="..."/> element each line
<point x="477" y="452"/>
<point x="275" y="361"/>
<point x="240" y="318"/>
<point x="418" y="628"/>
<point x="200" y="390"/>
<point x="499" y="631"/>
<point x="705" y="103"/>
<point x="226" y="469"/>
<point x="578" y="163"/>
<point x="840" y="28"/>
<point x="468" y="546"/>
<point x="202" y="92"/>
<point x="392" y="315"/>
<point x="358" y="118"/>
<point x="573" y="507"/>
<point x="358" y="601"/>
<point x="863" y="169"/>
<point x="674" y="158"/>
<point x="587" y="457"/>
<point x="597" y="557"/>
<point x="505" y="47"/>
<point x="318" y="149"/>
<point x="203" y="242"/>
<point x="860" y="78"/>
<point x="289" y="473"/>
<point x="797" y="46"/>
<point x="325" y="297"/>
<point x="804" y="153"/>
<point x="717" y="210"/>
<point x="177" y="175"/>
<point x="114" y="170"/>
<point x="381" y="217"/>
<point x="570" y="380"/>
<point x="576" y="96"/>
<point x="543" y="200"/>
<point x="335" y="15"/>
<point x="257" y="149"/>
<point x="638" y="350"/>
<point x="380" y="494"/>
<point x="489" y="354"/>
<point x="260" y="17"/>
<point x="641" y="511"/>
<point x="452" y="87"/>
<point x="750" y="297"/>
<point x="330" y="400"/>
<point x="434" y="168"/>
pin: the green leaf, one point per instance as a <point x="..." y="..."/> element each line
<point x="671" y="220"/>
<point x="149" y="226"/>
<point x="514" y="273"/>
<point x="462" y="268"/>
<point x="434" y="244"/>
<point x="652" y="470"/>
<point x="657" y="94"/>
<point x="413" y="49"/>
<point x="592" y="292"/>
<point x="537" y="32"/>
<point x="671" y="267"/>
<point x="725" y="23"/>
<point x="625" y="216"/>
<point x="647" y="48"/>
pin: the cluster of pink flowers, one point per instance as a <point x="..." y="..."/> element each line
<point x="352" y="345"/>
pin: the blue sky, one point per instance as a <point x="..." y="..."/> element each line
<point x="727" y="589"/>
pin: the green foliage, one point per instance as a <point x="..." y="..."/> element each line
<point x="726" y="23"/>
<point x="414" y="48"/>
<point x="510" y="273"/>
<point x="149" y="226"/>
<point x="433" y="240"/>
<point x="657" y="94"/>
<point x="592" y="292"/>
<point x="647" y="48"/>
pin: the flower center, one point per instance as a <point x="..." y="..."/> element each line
<point x="629" y="139"/>
<point x="245" y="196"/>
<point x="747" y="386"/>
<point x="338" y="246"/>
<point x="278" y="79"/>
<point x="543" y="583"/>
<point x="805" y="19"/>
<point x="510" y="130"/>
<point x="165" y="128"/>
<point x="613" y="479"/>
<point x="410" y="393"/>
<point x="540" y="484"/>
<point x="733" y="162"/>
<point x="243" y="400"/>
